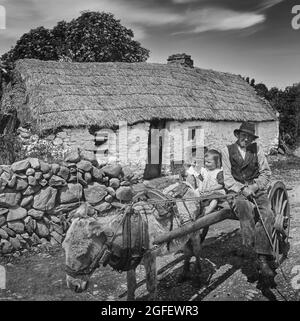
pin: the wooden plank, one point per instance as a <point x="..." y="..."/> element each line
<point x="202" y="222"/>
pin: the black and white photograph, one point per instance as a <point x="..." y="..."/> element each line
<point x="149" y="151"/>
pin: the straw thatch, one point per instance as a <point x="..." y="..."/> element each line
<point x="59" y="94"/>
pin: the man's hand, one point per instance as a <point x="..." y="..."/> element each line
<point x="247" y="191"/>
<point x="250" y="190"/>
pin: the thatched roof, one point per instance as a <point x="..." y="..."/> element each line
<point x="55" y="94"/>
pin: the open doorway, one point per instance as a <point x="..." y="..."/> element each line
<point x="155" y="144"/>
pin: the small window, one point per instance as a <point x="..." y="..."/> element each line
<point x="101" y="143"/>
<point x="192" y="133"/>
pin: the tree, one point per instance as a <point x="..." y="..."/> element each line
<point x="261" y="89"/>
<point x="93" y="36"/>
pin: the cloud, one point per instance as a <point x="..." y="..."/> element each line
<point x="266" y="4"/>
<point x="2" y="17"/>
<point x="220" y="19"/>
<point x="184" y="1"/>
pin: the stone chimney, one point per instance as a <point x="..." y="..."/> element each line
<point x="181" y="59"/>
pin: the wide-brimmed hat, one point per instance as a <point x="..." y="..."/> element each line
<point x="246" y="127"/>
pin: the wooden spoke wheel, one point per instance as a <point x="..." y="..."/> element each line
<point x="278" y="196"/>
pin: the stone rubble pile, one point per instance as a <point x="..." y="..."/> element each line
<point x="37" y="198"/>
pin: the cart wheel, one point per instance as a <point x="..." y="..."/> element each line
<point x="278" y="196"/>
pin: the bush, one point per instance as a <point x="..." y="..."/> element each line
<point x="10" y="149"/>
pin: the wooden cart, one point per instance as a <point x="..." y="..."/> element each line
<point x="277" y="194"/>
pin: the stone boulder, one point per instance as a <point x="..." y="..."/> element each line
<point x="30" y="172"/>
<point x="42" y="230"/>
<point x="9" y="199"/>
<point x="10" y="232"/>
<point x="3" y="234"/>
<point x="16" y="214"/>
<point x="73" y="156"/>
<point x="15" y="243"/>
<point x="3" y="211"/>
<point x="36" y="214"/>
<point x="32" y="181"/>
<point x="26" y="201"/>
<point x="65" y="208"/>
<point x="114" y="183"/>
<point x="89" y="156"/>
<point x="12" y="182"/>
<point x="103" y="207"/>
<point x="57" y="181"/>
<point x="124" y="193"/>
<point x="109" y="198"/>
<point x="17" y="226"/>
<point x="2" y="220"/>
<point x="95" y="193"/>
<point x="6" y="247"/>
<point x="45" y="167"/>
<point x="84" y="165"/>
<point x="3" y="184"/>
<point x="30" y="224"/>
<point x="88" y="177"/>
<point x="34" y="162"/>
<point x="48" y="175"/>
<point x="21" y="184"/>
<point x="38" y="175"/>
<point x="97" y="174"/>
<point x="20" y="166"/>
<point x="64" y="172"/>
<point x="30" y="190"/>
<point x="44" y="200"/>
<point x="70" y="193"/>
<point x="55" y="168"/>
<point x="113" y="171"/>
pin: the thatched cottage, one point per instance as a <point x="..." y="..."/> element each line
<point x="137" y="113"/>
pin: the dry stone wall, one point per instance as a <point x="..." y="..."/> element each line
<point x="37" y="199"/>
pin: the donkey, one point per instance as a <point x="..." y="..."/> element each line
<point x="86" y="238"/>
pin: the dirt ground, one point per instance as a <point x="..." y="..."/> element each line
<point x="227" y="275"/>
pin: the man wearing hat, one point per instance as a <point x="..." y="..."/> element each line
<point x="247" y="174"/>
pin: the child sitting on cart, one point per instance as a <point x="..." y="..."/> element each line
<point x="209" y="181"/>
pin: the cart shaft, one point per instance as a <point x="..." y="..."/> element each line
<point x="200" y="223"/>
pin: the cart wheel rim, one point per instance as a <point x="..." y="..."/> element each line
<point x="280" y="205"/>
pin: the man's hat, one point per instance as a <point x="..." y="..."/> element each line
<point x="246" y="127"/>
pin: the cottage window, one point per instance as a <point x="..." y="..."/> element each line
<point x="192" y="139"/>
<point x="101" y="143"/>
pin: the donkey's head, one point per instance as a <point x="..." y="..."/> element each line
<point x="84" y="247"/>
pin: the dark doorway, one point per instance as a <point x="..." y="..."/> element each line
<point x="155" y="142"/>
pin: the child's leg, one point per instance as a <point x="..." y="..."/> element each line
<point x="211" y="207"/>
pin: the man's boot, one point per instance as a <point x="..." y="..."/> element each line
<point x="264" y="267"/>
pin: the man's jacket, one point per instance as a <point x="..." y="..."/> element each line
<point x="239" y="172"/>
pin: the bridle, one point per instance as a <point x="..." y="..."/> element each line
<point x="101" y="258"/>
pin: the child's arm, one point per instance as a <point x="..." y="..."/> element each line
<point x="211" y="207"/>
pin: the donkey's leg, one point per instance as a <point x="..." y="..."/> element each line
<point x="196" y="242"/>
<point x="151" y="277"/>
<point x="188" y="253"/>
<point x="131" y="284"/>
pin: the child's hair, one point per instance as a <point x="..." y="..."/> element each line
<point x="216" y="155"/>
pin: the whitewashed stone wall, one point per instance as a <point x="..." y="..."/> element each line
<point x="214" y="135"/>
<point x="127" y="145"/>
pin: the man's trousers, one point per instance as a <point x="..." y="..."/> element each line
<point x="252" y="230"/>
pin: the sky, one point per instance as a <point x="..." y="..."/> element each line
<point x="252" y="38"/>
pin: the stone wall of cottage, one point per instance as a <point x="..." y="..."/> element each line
<point x="128" y="145"/>
<point x="38" y="199"/>
<point x="214" y="135"/>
